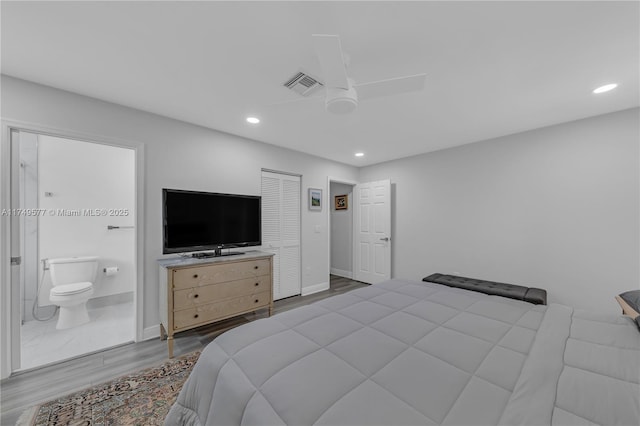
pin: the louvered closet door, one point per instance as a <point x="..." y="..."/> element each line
<point x="281" y="230"/>
<point x="271" y="207"/>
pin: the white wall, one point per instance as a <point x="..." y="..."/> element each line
<point x="556" y="208"/>
<point x="341" y="232"/>
<point x="84" y="176"/>
<point x="184" y="156"/>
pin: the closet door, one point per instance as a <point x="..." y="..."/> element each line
<point x="271" y="223"/>
<point x="281" y="230"/>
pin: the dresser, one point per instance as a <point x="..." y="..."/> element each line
<point x="197" y="292"/>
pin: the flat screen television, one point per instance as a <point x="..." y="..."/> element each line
<point x="197" y="221"/>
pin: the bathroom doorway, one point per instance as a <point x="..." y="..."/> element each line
<point x="73" y="210"/>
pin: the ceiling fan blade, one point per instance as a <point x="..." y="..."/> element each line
<point x="329" y="53"/>
<point x="392" y="86"/>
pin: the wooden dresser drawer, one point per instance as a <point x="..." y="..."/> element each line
<point x="196" y="292"/>
<point x="203" y="314"/>
<point x="219" y="273"/>
<point x="188" y="298"/>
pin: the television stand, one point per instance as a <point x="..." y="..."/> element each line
<point x="196" y="292"/>
<point x="216" y="253"/>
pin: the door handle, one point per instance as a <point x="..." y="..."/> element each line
<point x="384" y="239"/>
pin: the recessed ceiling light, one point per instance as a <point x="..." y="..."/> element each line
<point x="253" y="120"/>
<point x="359" y="154"/>
<point x="605" y="88"/>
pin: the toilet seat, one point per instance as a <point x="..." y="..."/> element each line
<point x="71" y="289"/>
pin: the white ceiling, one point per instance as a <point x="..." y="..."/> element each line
<point x="493" y="68"/>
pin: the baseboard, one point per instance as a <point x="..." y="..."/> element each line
<point x="342" y="273"/>
<point x="152" y="332"/>
<point x="316" y="288"/>
<point x="112" y="299"/>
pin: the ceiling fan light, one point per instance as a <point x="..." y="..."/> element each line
<point x="341" y="101"/>
<point x="341" y="106"/>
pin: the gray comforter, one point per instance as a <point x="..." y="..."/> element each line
<point x="404" y="352"/>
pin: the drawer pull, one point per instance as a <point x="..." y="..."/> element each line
<point x="255" y="267"/>
<point x="195" y="275"/>
<point x="195" y="296"/>
<point x="256" y="301"/>
<point x="195" y="316"/>
<point x="257" y="284"/>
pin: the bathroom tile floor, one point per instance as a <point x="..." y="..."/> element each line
<point x="109" y="326"/>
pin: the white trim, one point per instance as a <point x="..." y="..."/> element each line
<point x="316" y="288"/>
<point x="341" y="273"/>
<point x="278" y="172"/>
<point x="5" y="249"/>
<point x="138" y="295"/>
<point x="152" y="332"/>
<point x="340" y="180"/>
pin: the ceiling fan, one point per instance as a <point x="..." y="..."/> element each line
<point x="341" y="92"/>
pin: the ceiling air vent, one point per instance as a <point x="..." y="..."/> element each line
<point x="303" y="84"/>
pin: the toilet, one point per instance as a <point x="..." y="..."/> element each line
<point x="72" y="279"/>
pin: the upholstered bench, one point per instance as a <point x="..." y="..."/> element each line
<point x="537" y="296"/>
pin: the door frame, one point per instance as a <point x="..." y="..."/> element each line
<point x="328" y="204"/>
<point x="9" y="316"/>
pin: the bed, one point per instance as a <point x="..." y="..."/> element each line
<point x="408" y="353"/>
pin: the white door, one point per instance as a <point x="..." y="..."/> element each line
<point x="372" y="232"/>
<point x="281" y="230"/>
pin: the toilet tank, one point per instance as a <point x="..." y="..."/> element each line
<point x="73" y="270"/>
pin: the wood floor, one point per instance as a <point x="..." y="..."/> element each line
<point x="22" y="390"/>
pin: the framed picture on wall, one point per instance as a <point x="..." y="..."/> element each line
<point x="341" y="202"/>
<point x="315" y="199"/>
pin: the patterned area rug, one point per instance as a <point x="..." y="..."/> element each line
<point x="142" y="398"/>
